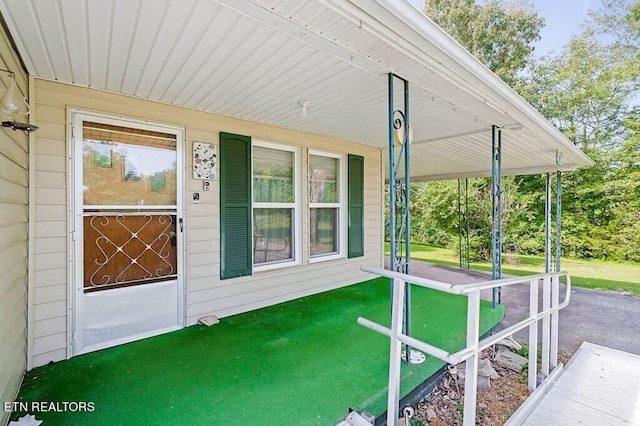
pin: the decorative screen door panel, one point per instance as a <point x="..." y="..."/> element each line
<point x="128" y="249"/>
<point x="128" y="231"/>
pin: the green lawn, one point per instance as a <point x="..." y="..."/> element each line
<point x="596" y="274"/>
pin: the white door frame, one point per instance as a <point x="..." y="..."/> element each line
<point x="75" y="221"/>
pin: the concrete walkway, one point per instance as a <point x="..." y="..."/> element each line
<point x="607" y="318"/>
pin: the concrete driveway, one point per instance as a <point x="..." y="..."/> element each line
<point x="605" y="318"/>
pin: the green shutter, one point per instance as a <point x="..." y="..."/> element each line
<point x="356" y="206"/>
<point x="235" y="206"/>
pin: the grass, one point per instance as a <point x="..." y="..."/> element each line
<point x="593" y="274"/>
<point x="303" y="362"/>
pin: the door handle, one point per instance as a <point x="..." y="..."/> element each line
<point x="181" y="224"/>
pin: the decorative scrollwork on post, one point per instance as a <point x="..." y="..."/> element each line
<point x="400" y="209"/>
<point x="398" y="119"/>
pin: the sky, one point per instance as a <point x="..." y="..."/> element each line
<point x="562" y="20"/>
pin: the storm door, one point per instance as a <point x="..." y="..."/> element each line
<point x="127" y="236"/>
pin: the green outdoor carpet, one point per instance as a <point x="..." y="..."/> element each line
<point x="300" y="362"/>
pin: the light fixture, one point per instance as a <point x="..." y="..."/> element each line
<point x="399" y="124"/>
<point x="12" y="104"/>
<point x="559" y="160"/>
<point x="399" y="135"/>
<point x="304" y="104"/>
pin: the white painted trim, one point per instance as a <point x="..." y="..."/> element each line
<point x="129" y="339"/>
<point x="296" y="205"/>
<point x="326" y="154"/>
<point x="275" y="266"/>
<point x="73" y="276"/>
<point x="344" y="208"/>
<point x="383" y="203"/>
<point x="341" y="205"/>
<point x="31" y="229"/>
<point x="325" y="205"/>
<point x="265" y="205"/>
<point x="325" y="257"/>
<point x="275" y="145"/>
<point x="129" y="206"/>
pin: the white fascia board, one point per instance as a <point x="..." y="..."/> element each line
<point x="410" y="30"/>
<point x="484" y="174"/>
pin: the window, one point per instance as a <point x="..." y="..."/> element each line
<point x="326" y="198"/>
<point x="275" y="204"/>
<point x="261" y="210"/>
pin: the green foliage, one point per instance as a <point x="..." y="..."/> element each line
<point x="589" y="90"/>
<point x="499" y="33"/>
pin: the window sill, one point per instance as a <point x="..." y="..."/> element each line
<point x="327" y="258"/>
<point x="257" y="270"/>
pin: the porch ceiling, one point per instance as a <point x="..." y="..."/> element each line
<point x="256" y="59"/>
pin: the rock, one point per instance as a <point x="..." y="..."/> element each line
<point x="431" y="414"/>
<point x="510" y="342"/>
<point x="486" y="369"/>
<point x="446" y="383"/>
<point x="510" y="360"/>
<point x="461" y="372"/>
<point x="484" y="382"/>
<point x="208" y="320"/>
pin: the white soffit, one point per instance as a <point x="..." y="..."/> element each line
<point x="256" y="59"/>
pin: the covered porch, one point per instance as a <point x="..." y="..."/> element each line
<point x="306" y="361"/>
<point x="310" y="82"/>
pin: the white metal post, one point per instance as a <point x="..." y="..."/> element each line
<point x="555" y="301"/>
<point x="546" y="325"/>
<point x="533" y="334"/>
<point x="471" y="369"/>
<point x="395" y="353"/>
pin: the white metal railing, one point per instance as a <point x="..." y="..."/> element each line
<point x="548" y="315"/>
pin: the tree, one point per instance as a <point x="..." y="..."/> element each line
<point x="501" y="34"/>
<point x="588" y="91"/>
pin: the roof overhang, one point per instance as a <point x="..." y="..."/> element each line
<point x="257" y="59"/>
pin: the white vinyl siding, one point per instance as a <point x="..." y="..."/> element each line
<point x="14" y="177"/>
<point x="206" y="293"/>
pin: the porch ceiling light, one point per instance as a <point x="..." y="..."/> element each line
<point x="304" y="104"/>
<point x="399" y="135"/>
<point x="11" y="104"/>
<point x="399" y="124"/>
